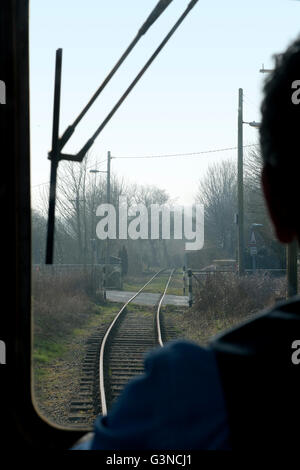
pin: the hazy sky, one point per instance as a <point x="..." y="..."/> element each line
<point x="186" y="102"/>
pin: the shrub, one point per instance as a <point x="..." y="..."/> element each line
<point x="60" y="302"/>
<point x="226" y="295"/>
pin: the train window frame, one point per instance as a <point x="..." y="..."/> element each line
<point x="21" y="424"/>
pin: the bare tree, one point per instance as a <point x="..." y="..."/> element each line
<point x="79" y="193"/>
<point x="38" y="237"/>
<point x="255" y="206"/>
<point x="148" y="195"/>
<point x="256" y="211"/>
<point x="217" y="191"/>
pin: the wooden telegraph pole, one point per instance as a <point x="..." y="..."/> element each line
<point x="240" y="189"/>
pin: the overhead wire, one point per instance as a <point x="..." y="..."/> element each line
<point x="187" y="154"/>
<point x="183" y="154"/>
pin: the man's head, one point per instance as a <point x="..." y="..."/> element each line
<point x="280" y="143"/>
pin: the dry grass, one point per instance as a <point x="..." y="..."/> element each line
<point x="230" y="296"/>
<point x="224" y="300"/>
<point x="61" y="302"/>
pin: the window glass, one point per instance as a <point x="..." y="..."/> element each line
<point x="167" y="165"/>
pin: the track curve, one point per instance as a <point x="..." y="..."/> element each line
<point x="129" y="337"/>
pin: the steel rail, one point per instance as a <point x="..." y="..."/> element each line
<point x="103" y="344"/>
<point x="158" y="310"/>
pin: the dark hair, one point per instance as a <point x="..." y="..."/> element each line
<point x="280" y="124"/>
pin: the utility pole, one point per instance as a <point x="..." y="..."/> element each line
<point x="240" y="188"/>
<point x="108" y="199"/>
<point x="94" y="259"/>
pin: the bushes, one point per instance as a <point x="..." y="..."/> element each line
<point x="221" y="301"/>
<point x="60" y="302"/>
<point x="229" y="296"/>
<point x="224" y="300"/>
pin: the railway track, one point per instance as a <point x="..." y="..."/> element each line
<point x="115" y="354"/>
<point x="128" y="338"/>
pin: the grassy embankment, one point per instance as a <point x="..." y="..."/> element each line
<point x="64" y="314"/>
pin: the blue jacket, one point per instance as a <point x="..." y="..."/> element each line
<point x="177" y="403"/>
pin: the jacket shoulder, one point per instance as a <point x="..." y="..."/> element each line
<point x="259" y="379"/>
